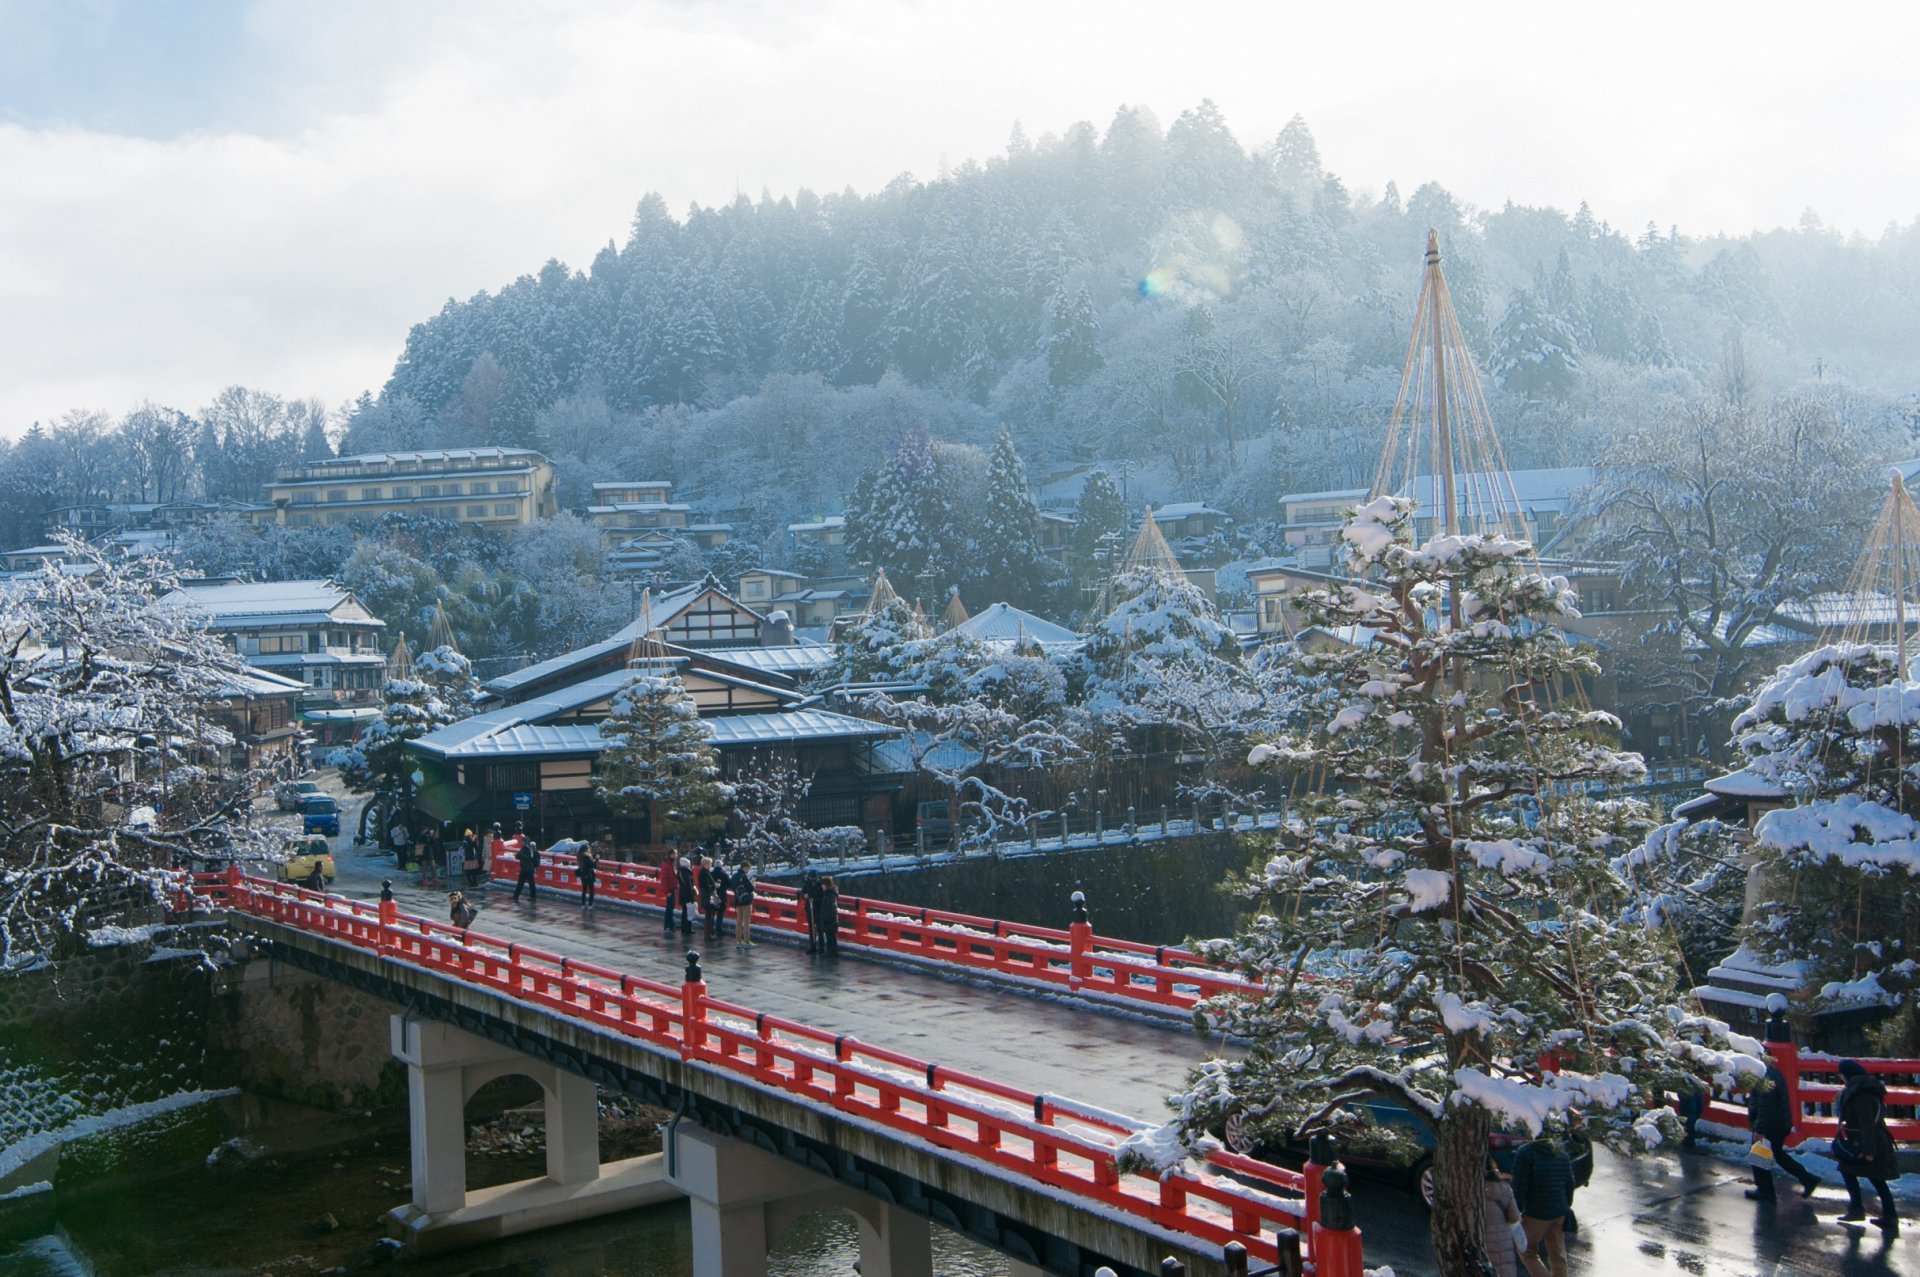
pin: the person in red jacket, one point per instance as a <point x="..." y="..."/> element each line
<point x="669" y="885"/>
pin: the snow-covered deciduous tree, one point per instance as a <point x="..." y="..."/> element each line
<point x="1438" y="922"/>
<point x="112" y="753"/>
<point x="971" y="747"/>
<point x="659" y="761"/>
<point x="1723" y="515"/>
<point x="1838" y="731"/>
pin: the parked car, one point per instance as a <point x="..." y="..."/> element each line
<point x="298" y="858"/>
<point x="292" y="795"/>
<point x="319" y="814"/>
<point x="1406" y="1161"/>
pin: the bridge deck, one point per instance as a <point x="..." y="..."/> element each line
<point x="1119" y="1062"/>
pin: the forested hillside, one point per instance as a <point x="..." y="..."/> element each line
<point x="1232" y="321"/>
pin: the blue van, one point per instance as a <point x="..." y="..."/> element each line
<point x="320" y="814"/>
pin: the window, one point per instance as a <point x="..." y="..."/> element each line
<point x="506" y="507"/>
<point x="403" y="494"/>
<point x="476" y="512"/>
<point x="754" y="589"/>
<point x="429" y="489"/>
<point x="336" y="518"/>
<point x="453" y="489"/>
<point x="507" y="485"/>
<point x="336" y="494"/>
<point x="480" y="489"/>
<point x="369" y="494"/>
<point x="302" y="520"/>
<point x="512" y="777"/>
<point x="303" y="498"/>
<point x="277" y="644"/>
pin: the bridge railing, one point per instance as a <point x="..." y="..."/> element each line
<point x="1073" y="959"/>
<point x="1061" y="1144"/>
<point x="1814" y="1104"/>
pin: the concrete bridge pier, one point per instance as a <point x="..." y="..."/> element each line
<point x="742" y="1198"/>
<point x="445" y="1067"/>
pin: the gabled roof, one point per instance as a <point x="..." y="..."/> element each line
<point x="1185" y="510"/>
<point x="237" y="604"/>
<point x="796" y="661"/>
<point x="1005" y="623"/>
<point x="508" y="733"/>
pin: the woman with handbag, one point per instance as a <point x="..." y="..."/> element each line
<point x="1864" y="1147"/>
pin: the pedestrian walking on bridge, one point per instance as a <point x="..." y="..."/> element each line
<point x="1864" y="1148"/>
<point x="1543" y="1188"/>
<point x="683" y="891"/>
<point x="1770" y="1117"/>
<point x="586" y="869"/>
<point x="829" y="915"/>
<point x="528" y="856"/>
<point x="669" y="886"/>
<point x="743" y="907"/>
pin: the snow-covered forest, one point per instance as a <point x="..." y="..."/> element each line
<point x="1221" y="319"/>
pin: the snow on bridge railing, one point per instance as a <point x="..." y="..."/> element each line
<point x="1813" y="1104"/>
<point x="1074" y="959"/>
<point x="1064" y="1146"/>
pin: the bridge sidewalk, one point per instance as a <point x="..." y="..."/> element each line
<point x="1116" y="1061"/>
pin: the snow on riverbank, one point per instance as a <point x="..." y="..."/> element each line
<point x="23" y="1151"/>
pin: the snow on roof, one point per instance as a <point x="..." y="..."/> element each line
<point x="1331" y="494"/>
<point x="231" y="603"/>
<point x="1005" y="623"/>
<point x="801" y="658"/>
<point x="1184" y="510"/>
<point x="632" y="483"/>
<point x="661" y="609"/>
<point x="502" y="733"/>
<point x="555" y="664"/>
<point x="1745" y="783"/>
<point x="1837" y="609"/>
<point x="1491" y="490"/>
<point x="824" y="525"/>
<point x="432" y="454"/>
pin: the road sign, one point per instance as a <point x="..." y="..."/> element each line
<point x="522" y="801"/>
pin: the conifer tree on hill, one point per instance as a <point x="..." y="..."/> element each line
<point x="1100" y="524"/>
<point x="1437" y="923"/>
<point x="659" y="762"/>
<point x="1008" y="562"/>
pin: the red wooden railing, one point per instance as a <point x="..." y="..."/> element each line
<point x="1073" y="959"/>
<point x="1055" y="1142"/>
<point x="1813" y="1103"/>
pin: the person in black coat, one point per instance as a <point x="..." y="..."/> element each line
<point x="1864" y="1148"/>
<point x="1770" y="1117"/>
<point x="810" y="905"/>
<point x="829" y="915"/>
<point x="713" y="895"/>
<point x="586" y="870"/>
<point x="683" y="891"/>
<point x="529" y="858"/>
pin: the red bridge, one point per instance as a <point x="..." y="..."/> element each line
<point x="805" y="1110"/>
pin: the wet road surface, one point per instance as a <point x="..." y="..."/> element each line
<point x="1643" y="1217"/>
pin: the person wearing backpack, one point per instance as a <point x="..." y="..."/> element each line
<point x="1864" y="1148"/>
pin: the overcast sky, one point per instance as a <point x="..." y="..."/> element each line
<point x="196" y="193"/>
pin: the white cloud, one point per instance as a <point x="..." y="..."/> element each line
<point x="431" y="155"/>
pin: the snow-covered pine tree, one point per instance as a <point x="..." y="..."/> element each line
<point x="1100" y="525"/>
<point x="1009" y="561"/>
<point x="884" y="644"/>
<point x="1073" y="339"/>
<point x="1839" y="732"/>
<point x="437" y="688"/>
<point x="659" y="762"/>
<point x="1437" y="923"/>
<point x="114" y="763"/>
<point x="1535" y="351"/>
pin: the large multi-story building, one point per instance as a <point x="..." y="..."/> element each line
<point x="314" y="632"/>
<point x="495" y="487"/>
